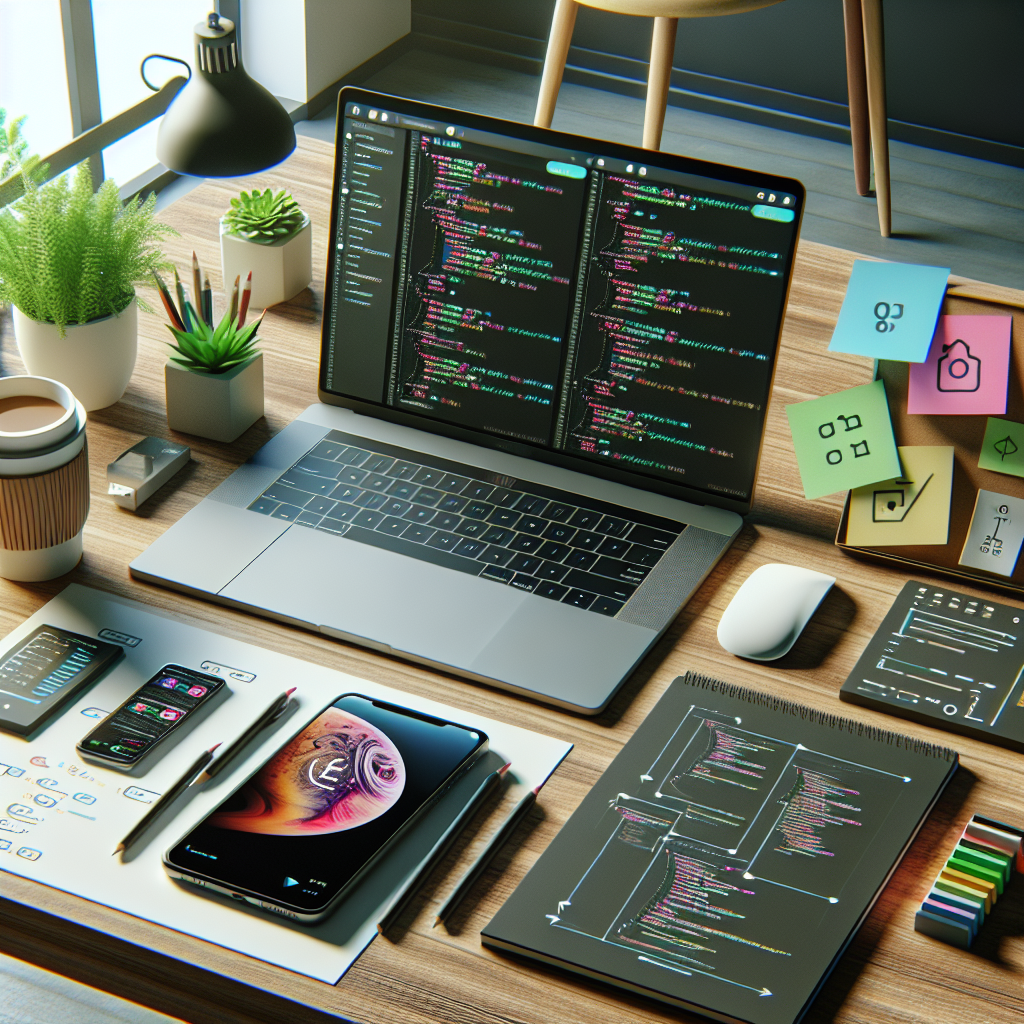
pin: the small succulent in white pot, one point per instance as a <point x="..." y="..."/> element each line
<point x="270" y="235"/>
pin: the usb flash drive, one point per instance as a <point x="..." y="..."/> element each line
<point x="135" y="474"/>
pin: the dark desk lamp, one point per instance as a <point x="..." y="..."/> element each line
<point x="223" y="123"/>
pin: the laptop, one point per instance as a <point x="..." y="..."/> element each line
<point x="545" y="368"/>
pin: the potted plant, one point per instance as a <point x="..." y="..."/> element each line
<point x="69" y="263"/>
<point x="214" y="377"/>
<point x="271" y="236"/>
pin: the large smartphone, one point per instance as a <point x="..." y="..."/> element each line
<point x="155" y="711"/>
<point x="301" y="832"/>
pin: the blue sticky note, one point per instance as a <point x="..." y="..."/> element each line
<point x="890" y="311"/>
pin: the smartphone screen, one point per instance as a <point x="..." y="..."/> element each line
<point x="156" y="708"/>
<point x="300" y="829"/>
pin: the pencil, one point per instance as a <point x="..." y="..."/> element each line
<point x="440" y="848"/>
<point x="497" y="841"/>
<point x="234" y="298"/>
<point x="207" y="300"/>
<point x="180" y="290"/>
<point x="165" y="298"/>
<point x="244" y="303"/>
<point x="271" y="714"/>
<point x="197" y="282"/>
<point x="166" y="799"/>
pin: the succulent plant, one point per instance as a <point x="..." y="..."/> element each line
<point x="264" y="217"/>
<point x="214" y="349"/>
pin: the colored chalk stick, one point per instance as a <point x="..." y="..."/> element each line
<point x="1004" y="841"/>
<point x="984" y="859"/>
<point x="953" y="913"/>
<point x="995" y="877"/>
<point x="942" y="928"/>
<point x="974" y="907"/>
<point x="957" y="888"/>
<point x="978" y="885"/>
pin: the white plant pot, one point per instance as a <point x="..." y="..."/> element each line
<point x="280" y="270"/>
<point x="220" y="406"/>
<point x="94" y="360"/>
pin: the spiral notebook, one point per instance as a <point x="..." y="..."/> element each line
<point x="728" y="855"/>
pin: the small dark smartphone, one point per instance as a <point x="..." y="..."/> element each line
<point x="301" y="832"/>
<point x="151" y="714"/>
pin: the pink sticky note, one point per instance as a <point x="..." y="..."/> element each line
<point x="966" y="369"/>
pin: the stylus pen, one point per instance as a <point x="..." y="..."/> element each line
<point x="167" y="799"/>
<point x="498" y="840"/>
<point x="272" y="714"/>
<point x="440" y="848"/>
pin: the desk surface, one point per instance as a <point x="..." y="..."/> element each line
<point x="423" y="974"/>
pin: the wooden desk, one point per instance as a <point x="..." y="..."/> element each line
<point x="420" y="974"/>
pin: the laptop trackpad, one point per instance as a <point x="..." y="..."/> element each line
<point x="376" y="595"/>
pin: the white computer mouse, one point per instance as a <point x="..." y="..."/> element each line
<point x="771" y="609"/>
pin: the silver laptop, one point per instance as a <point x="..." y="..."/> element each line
<point x="545" y="368"/>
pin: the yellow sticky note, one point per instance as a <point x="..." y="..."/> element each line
<point x="912" y="508"/>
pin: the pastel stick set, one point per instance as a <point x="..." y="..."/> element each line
<point x="970" y="883"/>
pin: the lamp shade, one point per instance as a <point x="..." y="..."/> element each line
<point x="223" y="123"/>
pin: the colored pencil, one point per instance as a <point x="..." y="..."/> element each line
<point x="440" y="848"/>
<point x="167" y="798"/>
<point x="207" y="300"/>
<point x="244" y="302"/>
<point x="180" y="289"/>
<point x="234" y="298"/>
<point x="271" y="714"/>
<point x="165" y="298"/>
<point x="197" y="282"/>
<point x="478" y="867"/>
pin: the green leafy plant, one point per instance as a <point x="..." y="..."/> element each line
<point x="14" y="155"/>
<point x="68" y="255"/>
<point x="214" y="349"/>
<point x="263" y="217"/>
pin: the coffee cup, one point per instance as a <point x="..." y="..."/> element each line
<point x="44" y="478"/>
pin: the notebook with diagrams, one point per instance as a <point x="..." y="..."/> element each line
<point x="545" y="370"/>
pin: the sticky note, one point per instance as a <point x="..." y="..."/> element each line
<point x="844" y="440"/>
<point x="912" y="508"/>
<point x="890" y="310"/>
<point x="943" y="929"/>
<point x="966" y="371"/>
<point x="997" y="530"/>
<point x="1002" y="451"/>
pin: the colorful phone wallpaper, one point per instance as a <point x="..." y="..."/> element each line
<point x="339" y="773"/>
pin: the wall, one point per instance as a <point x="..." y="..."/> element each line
<point x="955" y="69"/>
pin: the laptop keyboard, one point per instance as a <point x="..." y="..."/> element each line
<point x="552" y="543"/>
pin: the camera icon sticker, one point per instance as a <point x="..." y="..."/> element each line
<point x="967" y="368"/>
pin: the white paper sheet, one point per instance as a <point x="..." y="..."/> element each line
<point x="61" y="818"/>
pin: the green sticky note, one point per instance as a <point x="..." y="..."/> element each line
<point x="844" y="440"/>
<point x="1002" y="451"/>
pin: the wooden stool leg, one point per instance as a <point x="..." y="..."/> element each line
<point x="554" y="61"/>
<point x="663" y="45"/>
<point x="857" y="91"/>
<point x="874" y="57"/>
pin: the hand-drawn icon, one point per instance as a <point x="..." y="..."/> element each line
<point x="24" y="813"/>
<point x="892" y="506"/>
<point x="1005" y="446"/>
<point x="39" y="762"/>
<point x="5" y="844"/>
<point x="145" y="796"/>
<point x="45" y="800"/>
<point x="993" y="544"/>
<point x="48" y="783"/>
<point x="9" y="769"/>
<point x="84" y="798"/>
<point x="95" y="712"/>
<point x="29" y="854"/>
<point x="885" y="315"/>
<point x="958" y="369"/>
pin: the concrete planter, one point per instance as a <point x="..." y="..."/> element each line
<point x="94" y="360"/>
<point x="280" y="270"/>
<point x="220" y="406"/>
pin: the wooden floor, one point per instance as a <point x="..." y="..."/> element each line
<point x="948" y="210"/>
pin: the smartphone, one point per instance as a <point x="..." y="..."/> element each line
<point x="300" y="833"/>
<point x="156" y="710"/>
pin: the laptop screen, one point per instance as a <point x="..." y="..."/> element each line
<point x="599" y="304"/>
